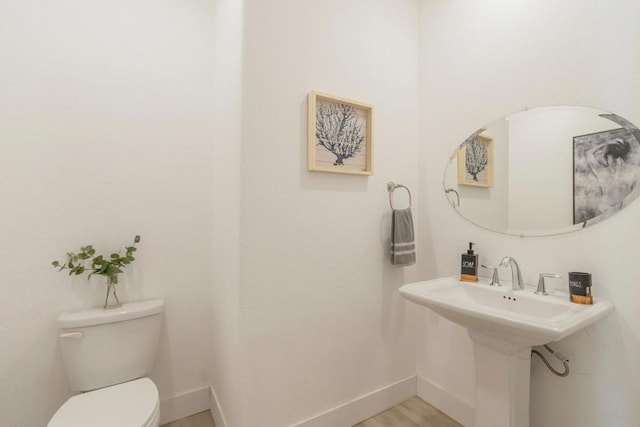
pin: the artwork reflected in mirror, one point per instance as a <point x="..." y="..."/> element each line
<point x="606" y="172"/>
<point x="475" y="162"/>
<point x="545" y="171"/>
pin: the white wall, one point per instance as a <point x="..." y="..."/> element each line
<point x="224" y="327"/>
<point x="105" y="132"/>
<point x="525" y="54"/>
<point x="321" y="320"/>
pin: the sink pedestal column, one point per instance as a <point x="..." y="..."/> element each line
<point x="502" y="382"/>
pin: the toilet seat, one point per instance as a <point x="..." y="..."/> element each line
<point x="131" y="404"/>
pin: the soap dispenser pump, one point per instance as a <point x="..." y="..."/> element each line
<point x="469" y="265"/>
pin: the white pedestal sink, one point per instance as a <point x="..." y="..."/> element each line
<point x="503" y="325"/>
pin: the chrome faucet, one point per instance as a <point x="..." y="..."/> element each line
<point x="542" y="289"/>
<point x="495" y="279"/>
<point x="516" y="275"/>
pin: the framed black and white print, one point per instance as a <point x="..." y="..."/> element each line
<point x="606" y="172"/>
<point x="340" y="136"/>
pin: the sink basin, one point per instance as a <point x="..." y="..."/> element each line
<point x="503" y="325"/>
<point x="519" y="317"/>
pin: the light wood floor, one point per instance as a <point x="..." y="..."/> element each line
<point x="202" y="419"/>
<point x="414" y="412"/>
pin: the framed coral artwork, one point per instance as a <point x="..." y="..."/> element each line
<point x="475" y="162"/>
<point x="340" y="135"/>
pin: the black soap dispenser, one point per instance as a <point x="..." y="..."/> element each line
<point x="469" y="265"/>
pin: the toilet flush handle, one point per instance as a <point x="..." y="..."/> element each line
<point x="71" y="335"/>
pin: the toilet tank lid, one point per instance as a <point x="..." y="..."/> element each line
<point x="99" y="316"/>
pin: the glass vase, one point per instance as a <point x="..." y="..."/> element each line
<point x="112" y="281"/>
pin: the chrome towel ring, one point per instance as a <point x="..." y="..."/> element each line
<point x="391" y="187"/>
<point x="451" y="190"/>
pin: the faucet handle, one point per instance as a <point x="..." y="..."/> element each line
<point x="495" y="279"/>
<point x="542" y="290"/>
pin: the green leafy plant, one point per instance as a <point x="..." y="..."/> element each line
<point x="87" y="261"/>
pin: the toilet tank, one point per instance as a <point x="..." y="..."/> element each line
<point x="106" y="347"/>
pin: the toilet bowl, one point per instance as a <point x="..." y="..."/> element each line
<point x="107" y="355"/>
<point x="132" y="404"/>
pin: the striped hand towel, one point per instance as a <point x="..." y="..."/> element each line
<point x="403" y="247"/>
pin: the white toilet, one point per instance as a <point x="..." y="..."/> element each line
<point x="106" y="354"/>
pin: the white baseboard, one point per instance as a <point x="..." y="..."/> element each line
<point x="363" y="407"/>
<point x="452" y="405"/>
<point x="345" y="415"/>
<point x="216" y="410"/>
<point x="185" y="404"/>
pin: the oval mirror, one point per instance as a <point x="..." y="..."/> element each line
<point x="545" y="171"/>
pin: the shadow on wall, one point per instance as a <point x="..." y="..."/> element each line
<point x="597" y="358"/>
